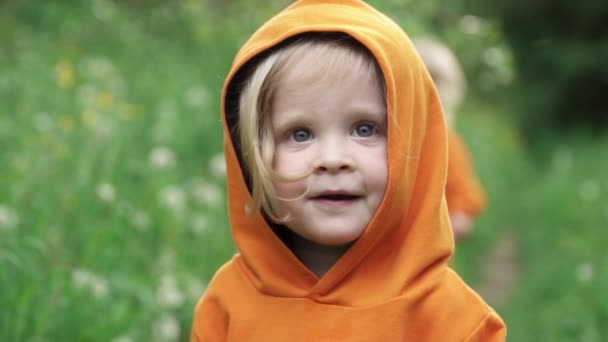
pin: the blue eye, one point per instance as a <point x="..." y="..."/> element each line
<point x="301" y="135"/>
<point x="365" y="130"/>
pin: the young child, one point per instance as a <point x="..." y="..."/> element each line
<point x="464" y="193"/>
<point x="336" y="164"/>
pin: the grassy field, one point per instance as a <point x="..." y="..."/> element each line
<point x="112" y="194"/>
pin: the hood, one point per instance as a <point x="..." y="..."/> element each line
<point x="408" y="242"/>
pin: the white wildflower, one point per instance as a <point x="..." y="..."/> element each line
<point x="167" y="328"/>
<point x="497" y="59"/>
<point x="195" y="288"/>
<point x="89" y="281"/>
<point x="81" y="278"/>
<point x="173" y="198"/>
<point x="122" y="338"/>
<point x="98" y="67"/>
<point x="103" y="9"/>
<point x="43" y="122"/>
<point x="167" y="260"/>
<point x="99" y="287"/>
<point x="584" y="272"/>
<point x="162" y="157"/>
<point x="165" y="125"/>
<point x="589" y="190"/>
<point x="169" y="295"/>
<point x="196" y="96"/>
<point x="199" y="224"/>
<point x="494" y="57"/>
<point x="562" y="159"/>
<point x="472" y="24"/>
<point x="217" y="165"/>
<point x="167" y="110"/>
<point x="104" y="127"/>
<point x="86" y="95"/>
<point x="106" y="192"/>
<point x="9" y="219"/>
<point x="139" y="219"/>
<point x="207" y="193"/>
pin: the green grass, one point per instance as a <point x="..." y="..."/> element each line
<point x="113" y="213"/>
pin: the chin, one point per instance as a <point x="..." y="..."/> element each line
<point x="336" y="240"/>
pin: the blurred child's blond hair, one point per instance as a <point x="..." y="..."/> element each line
<point x="446" y="72"/>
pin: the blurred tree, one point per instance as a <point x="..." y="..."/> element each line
<point x="560" y="48"/>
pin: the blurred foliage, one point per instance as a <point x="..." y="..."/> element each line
<point x="560" y="49"/>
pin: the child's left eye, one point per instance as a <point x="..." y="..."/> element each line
<point x="364" y="130"/>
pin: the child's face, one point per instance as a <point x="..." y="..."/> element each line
<point x="333" y="124"/>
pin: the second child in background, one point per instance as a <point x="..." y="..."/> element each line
<point x="464" y="192"/>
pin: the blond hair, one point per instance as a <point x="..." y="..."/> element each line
<point x="338" y="52"/>
<point x="446" y="72"/>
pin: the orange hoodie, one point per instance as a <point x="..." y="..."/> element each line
<point x="463" y="190"/>
<point x="394" y="283"/>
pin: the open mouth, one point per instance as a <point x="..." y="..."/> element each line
<point x="336" y="199"/>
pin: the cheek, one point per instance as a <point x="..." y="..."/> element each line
<point x="377" y="171"/>
<point x="290" y="163"/>
<point x="289" y="190"/>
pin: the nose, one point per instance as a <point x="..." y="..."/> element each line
<point x="333" y="157"/>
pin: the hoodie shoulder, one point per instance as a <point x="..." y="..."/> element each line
<point x="491" y="329"/>
<point x="211" y="315"/>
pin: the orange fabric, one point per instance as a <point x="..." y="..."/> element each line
<point x="463" y="190"/>
<point x="394" y="283"/>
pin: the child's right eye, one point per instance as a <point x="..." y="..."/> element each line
<point x="300" y="135"/>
